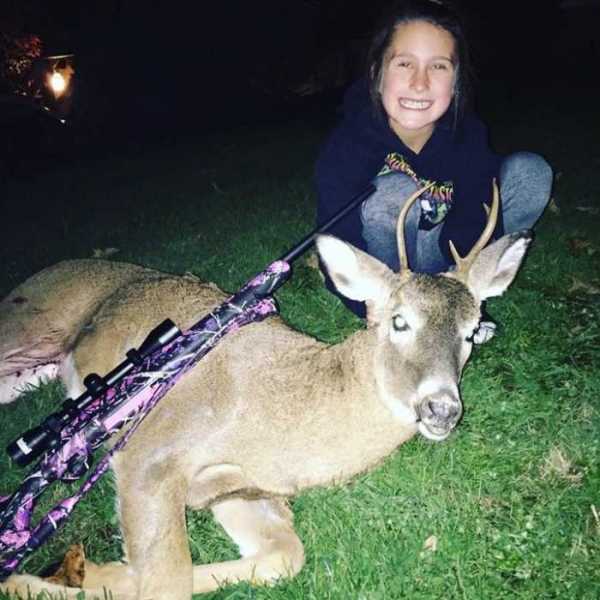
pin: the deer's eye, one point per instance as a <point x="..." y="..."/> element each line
<point x="399" y="323"/>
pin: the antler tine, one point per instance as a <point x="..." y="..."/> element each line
<point x="400" y="228"/>
<point x="464" y="264"/>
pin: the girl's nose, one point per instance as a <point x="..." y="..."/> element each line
<point x="420" y="80"/>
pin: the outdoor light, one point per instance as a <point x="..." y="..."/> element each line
<point x="56" y="77"/>
<point x="59" y="72"/>
<point x="57" y="83"/>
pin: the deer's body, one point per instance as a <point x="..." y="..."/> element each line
<point x="268" y="413"/>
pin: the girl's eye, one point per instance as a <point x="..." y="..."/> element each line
<point x="440" y="67"/>
<point x="403" y="64"/>
<point x="399" y="323"/>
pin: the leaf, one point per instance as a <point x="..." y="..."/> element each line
<point x="72" y="570"/>
<point x="215" y="186"/>
<point x="586" y="287"/>
<point x="596" y="518"/>
<point x="592" y="210"/>
<point x="558" y="464"/>
<point x="578" y="246"/>
<point x="431" y="543"/>
<point x="553" y="207"/>
<point x="103" y="252"/>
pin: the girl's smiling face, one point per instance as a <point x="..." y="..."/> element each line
<point x="417" y="83"/>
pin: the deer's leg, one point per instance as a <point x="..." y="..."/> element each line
<point x="76" y="574"/>
<point x="30" y="586"/>
<point x="159" y="565"/>
<point x="155" y="537"/>
<point x="263" y="530"/>
<point x="76" y="571"/>
<point x="118" y="577"/>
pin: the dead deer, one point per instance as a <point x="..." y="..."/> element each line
<point x="269" y="413"/>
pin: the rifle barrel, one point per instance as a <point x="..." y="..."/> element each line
<point x="309" y="240"/>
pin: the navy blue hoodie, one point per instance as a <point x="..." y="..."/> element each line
<point x="356" y="151"/>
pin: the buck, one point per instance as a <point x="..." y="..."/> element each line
<point x="268" y="413"/>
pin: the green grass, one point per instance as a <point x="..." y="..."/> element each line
<point x="510" y="497"/>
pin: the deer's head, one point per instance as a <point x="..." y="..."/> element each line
<point x="424" y="323"/>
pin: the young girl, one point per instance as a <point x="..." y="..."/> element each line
<point x="407" y="124"/>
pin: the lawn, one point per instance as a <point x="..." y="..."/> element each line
<point x="508" y="506"/>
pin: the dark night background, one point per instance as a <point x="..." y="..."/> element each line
<point x="170" y="68"/>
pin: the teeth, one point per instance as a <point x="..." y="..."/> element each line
<point x="415" y="104"/>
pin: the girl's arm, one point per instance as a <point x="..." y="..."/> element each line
<point x="477" y="166"/>
<point x="342" y="171"/>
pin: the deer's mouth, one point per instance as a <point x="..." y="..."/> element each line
<point x="436" y="434"/>
<point x="438" y="414"/>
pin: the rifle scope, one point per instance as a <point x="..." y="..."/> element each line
<point x="46" y="436"/>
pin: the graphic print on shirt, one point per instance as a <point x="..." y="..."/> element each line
<point x="436" y="202"/>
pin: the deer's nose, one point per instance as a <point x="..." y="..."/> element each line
<point x="440" y="411"/>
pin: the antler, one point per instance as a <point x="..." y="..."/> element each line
<point x="400" y="228"/>
<point x="464" y="264"/>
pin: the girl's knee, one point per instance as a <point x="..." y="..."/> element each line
<point x="395" y="183"/>
<point x="385" y="203"/>
<point x="525" y="187"/>
<point x="526" y="165"/>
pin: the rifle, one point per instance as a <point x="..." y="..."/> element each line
<point x="65" y="441"/>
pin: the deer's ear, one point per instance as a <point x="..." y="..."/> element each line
<point x="496" y="266"/>
<point x="355" y="274"/>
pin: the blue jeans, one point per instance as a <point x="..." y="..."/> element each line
<point x="525" y="185"/>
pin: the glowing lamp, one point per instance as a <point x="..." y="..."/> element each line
<point x="57" y="83"/>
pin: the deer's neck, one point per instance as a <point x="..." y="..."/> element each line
<point x="353" y="359"/>
<point x="341" y="427"/>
